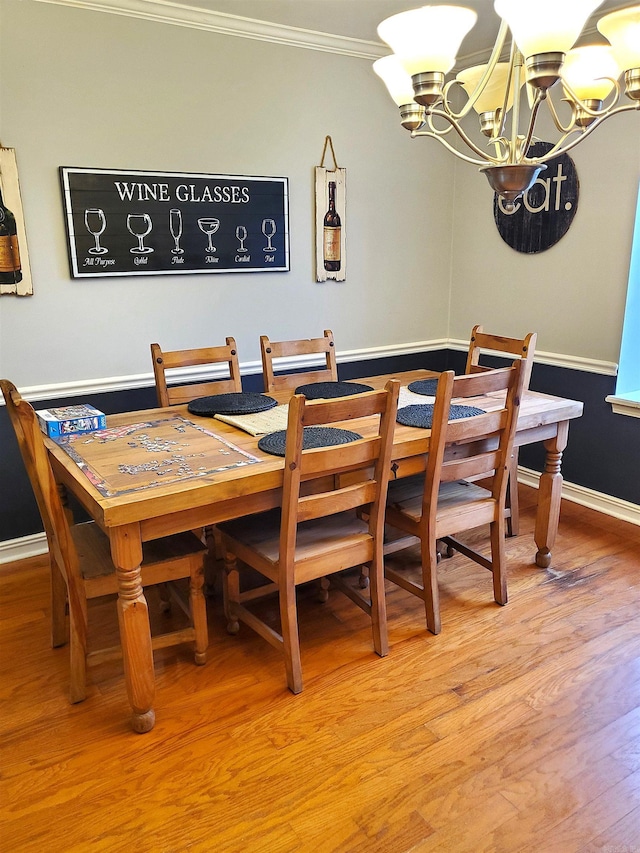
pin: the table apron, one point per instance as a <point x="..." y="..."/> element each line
<point x="212" y="513"/>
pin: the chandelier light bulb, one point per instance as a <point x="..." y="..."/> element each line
<point x="492" y="96"/>
<point x="396" y="78"/>
<point x="547" y="26"/>
<point x="622" y="29"/>
<point x="590" y="71"/>
<point x="427" y="39"/>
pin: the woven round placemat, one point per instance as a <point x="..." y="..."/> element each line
<point x="326" y="390"/>
<point x="275" y="442"/>
<point x="422" y="416"/>
<point x="237" y="403"/>
<point x="426" y="387"/>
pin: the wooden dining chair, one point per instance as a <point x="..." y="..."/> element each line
<point x="175" y="395"/>
<point x="80" y="559"/>
<point x="317" y="532"/>
<point x="324" y="347"/>
<point x="481" y="344"/>
<point x="444" y="502"/>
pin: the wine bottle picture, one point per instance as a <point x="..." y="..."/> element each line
<point x="332" y="233"/>
<point x="10" y="266"/>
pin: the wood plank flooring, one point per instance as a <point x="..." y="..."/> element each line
<point x="516" y="729"/>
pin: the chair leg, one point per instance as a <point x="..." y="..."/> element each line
<point x="231" y="591"/>
<point x="513" y="522"/>
<point x="498" y="561"/>
<point x="378" y="607"/>
<point x="199" y="613"/>
<point x="78" y="653"/>
<point x="59" y="626"/>
<point x="290" y="638"/>
<point x="429" y="557"/>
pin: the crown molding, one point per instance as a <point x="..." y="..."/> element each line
<point x="166" y="12"/>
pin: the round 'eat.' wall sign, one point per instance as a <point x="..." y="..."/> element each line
<point x="545" y="212"/>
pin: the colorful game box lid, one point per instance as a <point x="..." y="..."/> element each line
<point x="66" y="420"/>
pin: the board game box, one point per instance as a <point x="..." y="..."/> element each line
<point x="69" y="420"/>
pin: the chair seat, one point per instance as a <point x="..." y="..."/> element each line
<point x="332" y="537"/>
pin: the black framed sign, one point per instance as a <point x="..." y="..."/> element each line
<point x="159" y="223"/>
<point x="544" y="214"/>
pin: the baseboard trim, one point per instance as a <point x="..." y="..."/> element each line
<point x="14" y="550"/>
<point x="606" y="504"/>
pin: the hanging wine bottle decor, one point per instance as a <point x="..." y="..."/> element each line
<point x="331" y="261"/>
<point x="15" y="274"/>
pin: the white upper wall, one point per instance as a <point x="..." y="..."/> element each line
<point x="574" y="293"/>
<point x="85" y="88"/>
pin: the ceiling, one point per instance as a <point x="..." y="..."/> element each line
<point x="360" y="18"/>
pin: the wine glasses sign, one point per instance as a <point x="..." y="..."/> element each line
<point x="95" y="223"/>
<point x="268" y="229"/>
<point x="175" y="224"/>
<point x="209" y="227"/>
<point x="139" y="224"/>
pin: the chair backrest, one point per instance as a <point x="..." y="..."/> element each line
<point x="482" y="342"/>
<point x="287" y="349"/>
<point x="477" y="446"/>
<point x="36" y="461"/>
<point x="175" y="395"/>
<point x="366" y="461"/>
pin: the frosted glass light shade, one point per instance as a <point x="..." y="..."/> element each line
<point x="427" y="39"/>
<point x="492" y="98"/>
<point x="585" y="70"/>
<point x="622" y="29"/>
<point x="546" y="26"/>
<point x="396" y="78"/>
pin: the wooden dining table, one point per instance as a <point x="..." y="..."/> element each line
<point x="157" y="502"/>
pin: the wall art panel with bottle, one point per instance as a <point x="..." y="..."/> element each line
<point x="331" y="261"/>
<point x="15" y="273"/>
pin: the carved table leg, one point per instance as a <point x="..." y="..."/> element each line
<point x="549" y="494"/>
<point x="135" y="633"/>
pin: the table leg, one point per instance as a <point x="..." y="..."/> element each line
<point x="549" y="495"/>
<point x="135" y="633"/>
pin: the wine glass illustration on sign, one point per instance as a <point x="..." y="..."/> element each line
<point x="175" y="224"/>
<point x="139" y="224"/>
<point x="268" y="229"/>
<point x="241" y="234"/>
<point x="95" y="222"/>
<point x="209" y="227"/>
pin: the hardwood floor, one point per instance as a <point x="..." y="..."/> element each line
<point x="517" y="729"/>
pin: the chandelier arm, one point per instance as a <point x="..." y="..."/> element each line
<point x="463" y="136"/>
<point x="575" y="101"/>
<point x="557" y="150"/>
<point x="556" y="118"/>
<point x="493" y="61"/>
<point x="453" y="150"/>
<point x="505" y="111"/>
<point x="524" y="146"/>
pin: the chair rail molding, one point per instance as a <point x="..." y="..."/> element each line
<point x="104" y="385"/>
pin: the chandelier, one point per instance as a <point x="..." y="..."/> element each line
<point x="425" y="42"/>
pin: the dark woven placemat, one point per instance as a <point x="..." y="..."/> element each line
<point x="326" y="390"/>
<point x="275" y="442"/>
<point x="238" y="403"/>
<point x="427" y="387"/>
<point x="422" y="416"/>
